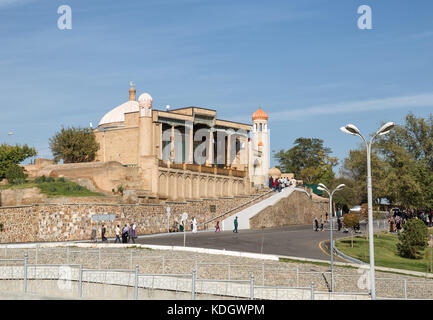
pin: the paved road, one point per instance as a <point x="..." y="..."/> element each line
<point x="297" y="241"/>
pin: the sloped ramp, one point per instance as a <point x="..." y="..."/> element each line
<point x="245" y="215"/>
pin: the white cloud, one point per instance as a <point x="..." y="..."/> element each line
<point x="415" y="101"/>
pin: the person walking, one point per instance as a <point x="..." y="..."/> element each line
<point x="125" y="234"/>
<point x="326" y="217"/>
<point x="236" y="225"/>
<point x="271" y="182"/>
<point x="93" y="236"/>
<point x="321" y="223"/>
<point x="391" y="224"/>
<point x="217" y="227"/>
<point x="339" y="223"/>
<point x="131" y="233"/>
<point x="194" y="225"/>
<point x="117" y="234"/>
<point x="275" y="185"/>
<point x="103" y="230"/>
<point x="316" y="224"/>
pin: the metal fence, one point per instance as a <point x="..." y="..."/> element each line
<point x="76" y="281"/>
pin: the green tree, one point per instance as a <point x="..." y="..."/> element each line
<point x="74" y="145"/>
<point x="408" y="152"/>
<point x="15" y="174"/>
<point x="13" y="155"/>
<point x="355" y="170"/>
<point x="351" y="220"/>
<point x="413" y="239"/>
<point x="309" y="160"/>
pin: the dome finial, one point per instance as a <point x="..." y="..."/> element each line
<point x="260" y="114"/>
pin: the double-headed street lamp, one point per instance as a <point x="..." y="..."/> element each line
<point x="351" y="129"/>
<point x="322" y="187"/>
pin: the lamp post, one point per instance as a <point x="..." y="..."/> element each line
<point x="353" y="130"/>
<point x="322" y="187"/>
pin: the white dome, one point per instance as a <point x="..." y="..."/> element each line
<point x="118" y="113"/>
<point x="145" y="98"/>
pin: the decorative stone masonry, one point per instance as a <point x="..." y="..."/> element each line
<point x="296" y="209"/>
<point x="67" y="222"/>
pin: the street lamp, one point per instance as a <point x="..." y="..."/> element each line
<point x="353" y="130"/>
<point x="322" y="187"/>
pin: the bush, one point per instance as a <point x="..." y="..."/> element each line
<point x="53" y="189"/>
<point x="15" y="173"/>
<point x="413" y="239"/>
<point x="61" y="179"/>
<point x="41" y="179"/>
<point x="19" y="181"/>
<point x="50" y="179"/>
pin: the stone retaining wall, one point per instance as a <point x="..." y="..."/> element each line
<point x="66" y="222"/>
<point x="297" y="209"/>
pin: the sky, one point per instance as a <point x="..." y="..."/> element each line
<point x="306" y="63"/>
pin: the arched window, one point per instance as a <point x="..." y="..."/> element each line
<point x="260" y="127"/>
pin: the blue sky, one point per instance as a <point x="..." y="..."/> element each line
<point x="305" y="63"/>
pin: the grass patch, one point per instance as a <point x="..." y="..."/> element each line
<point x="55" y="188"/>
<point x="385" y="252"/>
<point x="140" y="248"/>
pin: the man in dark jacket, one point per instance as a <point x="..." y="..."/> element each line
<point x="236" y="225"/>
<point x="271" y="182"/>
<point x="103" y="233"/>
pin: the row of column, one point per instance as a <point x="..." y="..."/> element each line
<point x="190" y="152"/>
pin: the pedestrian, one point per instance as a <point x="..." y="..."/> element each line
<point x="117" y="234"/>
<point x="125" y="234"/>
<point x="217" y="227"/>
<point x="131" y="233"/>
<point x="275" y="185"/>
<point x="236" y="225"/>
<point x="398" y="224"/>
<point x="339" y="223"/>
<point x="326" y="217"/>
<point x="321" y="223"/>
<point x="103" y="230"/>
<point x="391" y="224"/>
<point x="194" y="225"/>
<point x="93" y="236"/>
<point x="271" y="182"/>
<point x="316" y="224"/>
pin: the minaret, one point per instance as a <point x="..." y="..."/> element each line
<point x="260" y="144"/>
<point x="147" y="161"/>
<point x="132" y="92"/>
<point x="145" y="124"/>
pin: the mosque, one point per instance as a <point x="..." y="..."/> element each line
<point x="172" y="154"/>
<point x="185" y="153"/>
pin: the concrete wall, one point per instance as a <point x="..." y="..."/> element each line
<point x="297" y="209"/>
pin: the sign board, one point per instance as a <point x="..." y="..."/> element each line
<point x="104" y="217"/>
<point x="185" y="216"/>
<point x="212" y="208"/>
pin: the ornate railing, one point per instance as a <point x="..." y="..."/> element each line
<point x="204" y="169"/>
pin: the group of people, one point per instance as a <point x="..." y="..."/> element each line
<point x="397" y="219"/>
<point x="179" y="227"/>
<point x="128" y="233"/>
<point x="281" y="183"/>
<point x="319" y="224"/>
